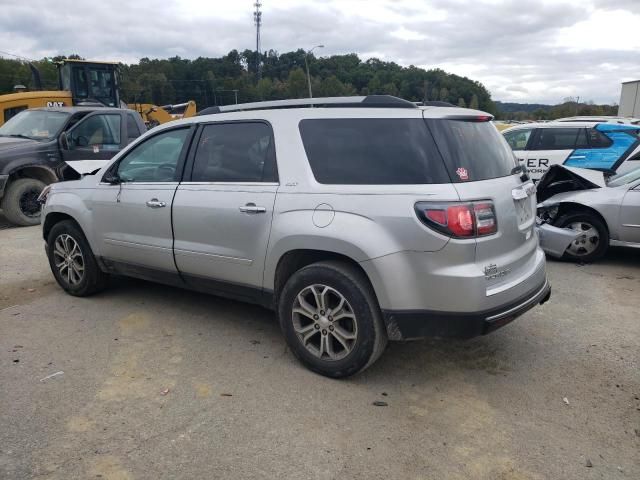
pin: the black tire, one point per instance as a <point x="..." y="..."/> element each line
<point x="19" y="203"/>
<point x="92" y="279"/>
<point x="590" y="247"/>
<point x="349" y="283"/>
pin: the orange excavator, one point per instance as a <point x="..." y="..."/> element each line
<point x="88" y="83"/>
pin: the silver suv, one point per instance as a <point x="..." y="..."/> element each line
<point x="362" y="220"/>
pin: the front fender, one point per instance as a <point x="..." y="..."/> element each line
<point x="69" y="203"/>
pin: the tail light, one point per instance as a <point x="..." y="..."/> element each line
<point x="459" y="220"/>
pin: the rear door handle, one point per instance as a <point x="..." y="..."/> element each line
<point x="155" y="203"/>
<point x="252" y="208"/>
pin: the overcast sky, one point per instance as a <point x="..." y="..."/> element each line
<point x="521" y="50"/>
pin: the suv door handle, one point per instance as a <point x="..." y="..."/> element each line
<point x="251" y="208"/>
<point x="155" y="203"/>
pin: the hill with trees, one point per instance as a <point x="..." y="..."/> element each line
<point x="568" y="108"/>
<point x="216" y="81"/>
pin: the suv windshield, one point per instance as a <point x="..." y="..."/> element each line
<point x="624" y="178"/>
<point x="35" y="124"/>
<point x="472" y="150"/>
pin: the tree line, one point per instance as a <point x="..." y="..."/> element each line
<point x="217" y="81"/>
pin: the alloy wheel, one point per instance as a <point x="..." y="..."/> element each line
<point x="68" y="259"/>
<point x="324" y="322"/>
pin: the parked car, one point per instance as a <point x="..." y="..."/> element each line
<point x="608" y="147"/>
<point x="601" y="211"/>
<point x="44" y="145"/>
<point x="601" y="119"/>
<point x="356" y="225"/>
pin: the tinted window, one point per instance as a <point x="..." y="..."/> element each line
<point x="372" y="151"/>
<point x="598" y="139"/>
<point x="581" y="140"/>
<point x="556" y="139"/>
<point x="472" y="150"/>
<point x="102" y="131"/>
<point x="133" y="131"/>
<point x="235" y="152"/>
<point x="518" y="139"/>
<point x="154" y="160"/>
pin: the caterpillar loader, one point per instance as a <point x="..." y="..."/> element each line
<point x="87" y="83"/>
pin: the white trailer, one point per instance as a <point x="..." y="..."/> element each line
<point x="630" y="99"/>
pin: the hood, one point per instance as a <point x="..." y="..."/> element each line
<point x="560" y="179"/>
<point x="12" y="147"/>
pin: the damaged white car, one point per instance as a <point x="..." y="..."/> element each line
<point x="581" y="212"/>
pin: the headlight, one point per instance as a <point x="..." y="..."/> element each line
<point x="42" y="198"/>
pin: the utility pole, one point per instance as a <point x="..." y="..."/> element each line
<point x="306" y="64"/>
<point x="257" y="20"/>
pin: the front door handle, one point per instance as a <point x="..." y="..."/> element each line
<point x="252" y="208"/>
<point x="155" y="203"/>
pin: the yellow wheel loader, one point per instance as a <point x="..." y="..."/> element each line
<point x="86" y="83"/>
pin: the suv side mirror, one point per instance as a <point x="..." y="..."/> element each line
<point x="112" y="178"/>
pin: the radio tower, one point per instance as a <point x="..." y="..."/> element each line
<point x="257" y="19"/>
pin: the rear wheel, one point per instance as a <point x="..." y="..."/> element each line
<point x="593" y="241"/>
<point x="20" y="202"/>
<point x="331" y="320"/>
<point x="72" y="262"/>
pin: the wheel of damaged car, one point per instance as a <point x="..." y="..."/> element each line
<point x="592" y="241"/>
<point x="72" y="262"/>
<point x="20" y="202"/>
<point x="331" y="319"/>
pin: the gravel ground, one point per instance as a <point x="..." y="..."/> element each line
<point x="161" y="383"/>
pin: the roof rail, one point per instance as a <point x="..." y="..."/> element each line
<point x="369" y="101"/>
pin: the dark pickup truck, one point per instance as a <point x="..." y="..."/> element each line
<point x="45" y="145"/>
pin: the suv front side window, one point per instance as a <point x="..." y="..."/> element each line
<point x="154" y="160"/>
<point x="100" y="131"/>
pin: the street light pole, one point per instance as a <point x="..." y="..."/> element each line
<point x="306" y="64"/>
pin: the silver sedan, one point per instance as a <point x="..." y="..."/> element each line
<point x="581" y="212"/>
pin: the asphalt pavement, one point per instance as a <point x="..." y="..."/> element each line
<point x="149" y="382"/>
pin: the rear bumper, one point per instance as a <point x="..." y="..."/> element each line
<point x="412" y="324"/>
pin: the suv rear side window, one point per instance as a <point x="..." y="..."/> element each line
<point x="556" y="139"/>
<point x="372" y="151"/>
<point x="472" y="150"/>
<point x="235" y="152"/>
<point x="598" y="139"/>
<point x="133" y="131"/>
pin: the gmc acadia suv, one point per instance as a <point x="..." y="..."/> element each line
<point x="362" y="220"/>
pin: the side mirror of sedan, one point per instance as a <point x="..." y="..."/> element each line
<point x="64" y="141"/>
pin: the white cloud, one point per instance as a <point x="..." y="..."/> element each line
<point x="522" y="50"/>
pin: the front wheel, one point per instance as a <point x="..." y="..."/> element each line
<point x="20" y="202"/>
<point x="72" y="262"/>
<point x="593" y="241"/>
<point x="331" y="319"/>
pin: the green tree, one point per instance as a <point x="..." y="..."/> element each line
<point x="297" y="83"/>
<point x="462" y="103"/>
<point x="474" y="103"/>
<point x="444" y="94"/>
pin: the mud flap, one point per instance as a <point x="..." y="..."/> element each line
<point x="555" y="241"/>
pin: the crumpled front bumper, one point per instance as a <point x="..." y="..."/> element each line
<point x="555" y="241"/>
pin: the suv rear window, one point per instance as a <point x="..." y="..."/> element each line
<point x="372" y="151"/>
<point x="472" y="150"/>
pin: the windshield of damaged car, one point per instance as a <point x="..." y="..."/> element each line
<point x="624" y="178"/>
<point x="34" y="124"/>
